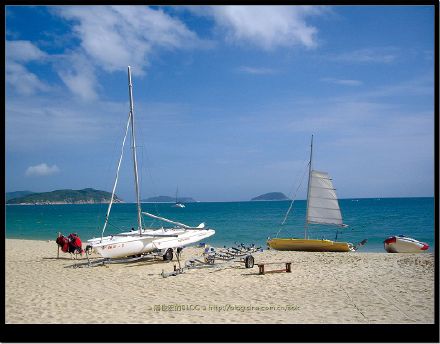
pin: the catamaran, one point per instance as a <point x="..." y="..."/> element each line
<point x="144" y="240"/>
<point x="178" y="204"/>
<point x="322" y="208"/>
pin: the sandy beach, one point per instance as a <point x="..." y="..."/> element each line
<point x="359" y="288"/>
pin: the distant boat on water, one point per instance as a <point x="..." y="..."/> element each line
<point x="178" y="204"/>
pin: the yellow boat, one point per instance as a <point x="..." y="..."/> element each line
<point x="310" y="245"/>
<point x="322" y="208"/>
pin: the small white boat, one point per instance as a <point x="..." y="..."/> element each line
<point x="403" y="244"/>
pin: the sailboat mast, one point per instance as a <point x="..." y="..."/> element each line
<point x="308" y="188"/>
<point x="133" y="140"/>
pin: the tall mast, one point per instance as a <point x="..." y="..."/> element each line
<point x="133" y="140"/>
<point x="308" y="188"/>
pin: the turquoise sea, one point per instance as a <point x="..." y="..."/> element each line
<point x="249" y="222"/>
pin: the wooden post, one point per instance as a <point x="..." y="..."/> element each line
<point x="288" y="267"/>
<point x="58" y="253"/>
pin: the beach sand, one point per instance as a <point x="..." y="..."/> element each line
<point x="362" y="288"/>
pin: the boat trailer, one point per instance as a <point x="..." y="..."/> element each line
<point x="240" y="253"/>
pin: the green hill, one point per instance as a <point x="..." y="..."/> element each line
<point x="271" y="196"/>
<point x="66" y="197"/>
<point x="16" y="194"/>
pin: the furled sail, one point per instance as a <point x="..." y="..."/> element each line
<point x="322" y="205"/>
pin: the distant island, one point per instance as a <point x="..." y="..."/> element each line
<point x="16" y="194"/>
<point x="68" y="196"/>
<point x="271" y="196"/>
<point x="168" y="199"/>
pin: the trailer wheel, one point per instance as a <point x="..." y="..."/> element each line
<point x="168" y="255"/>
<point x="249" y="261"/>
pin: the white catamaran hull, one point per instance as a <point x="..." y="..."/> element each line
<point x="127" y="244"/>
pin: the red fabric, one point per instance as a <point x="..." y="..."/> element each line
<point x="75" y="240"/>
<point x="70" y="244"/>
<point x="75" y="243"/>
<point x="63" y="242"/>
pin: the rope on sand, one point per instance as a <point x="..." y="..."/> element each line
<point x="348" y="295"/>
<point x="392" y="304"/>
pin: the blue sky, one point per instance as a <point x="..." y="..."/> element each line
<point x="226" y="98"/>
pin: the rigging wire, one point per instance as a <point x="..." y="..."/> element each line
<point x="293" y="198"/>
<point x="118" y="228"/>
<point x="291" y="204"/>
<point x="150" y="177"/>
<point x="306" y="159"/>
<point x="117" y="174"/>
<point x="106" y="176"/>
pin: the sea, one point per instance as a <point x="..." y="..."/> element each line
<point x="252" y="222"/>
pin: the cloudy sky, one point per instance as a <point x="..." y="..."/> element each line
<point x="226" y="98"/>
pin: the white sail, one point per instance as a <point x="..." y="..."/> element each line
<point x="322" y="205"/>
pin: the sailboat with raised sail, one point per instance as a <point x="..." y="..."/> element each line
<point x="322" y="208"/>
<point x="178" y="204"/>
<point x="143" y="240"/>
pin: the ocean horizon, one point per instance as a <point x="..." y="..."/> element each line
<point x="250" y="222"/>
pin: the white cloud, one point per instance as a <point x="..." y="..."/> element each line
<point x="421" y="85"/>
<point x="78" y="75"/>
<point x="256" y="70"/>
<point x="23" y="51"/>
<point x="114" y="37"/>
<point x="368" y="55"/>
<point x="41" y="170"/>
<point x="336" y="115"/>
<point x="68" y="122"/>
<point x="344" y="82"/>
<point x="18" y="53"/>
<point x="267" y="27"/>
<point x="23" y="81"/>
<point x="118" y="36"/>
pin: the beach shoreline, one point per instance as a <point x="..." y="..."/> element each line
<point x="333" y="288"/>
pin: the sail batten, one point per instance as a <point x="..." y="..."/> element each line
<point x="323" y="205"/>
<point x="325" y="208"/>
<point x="317" y="217"/>
<point x="322" y="187"/>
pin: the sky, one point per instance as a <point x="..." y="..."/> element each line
<point x="226" y="99"/>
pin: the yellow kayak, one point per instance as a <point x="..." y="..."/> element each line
<point x="311" y="245"/>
